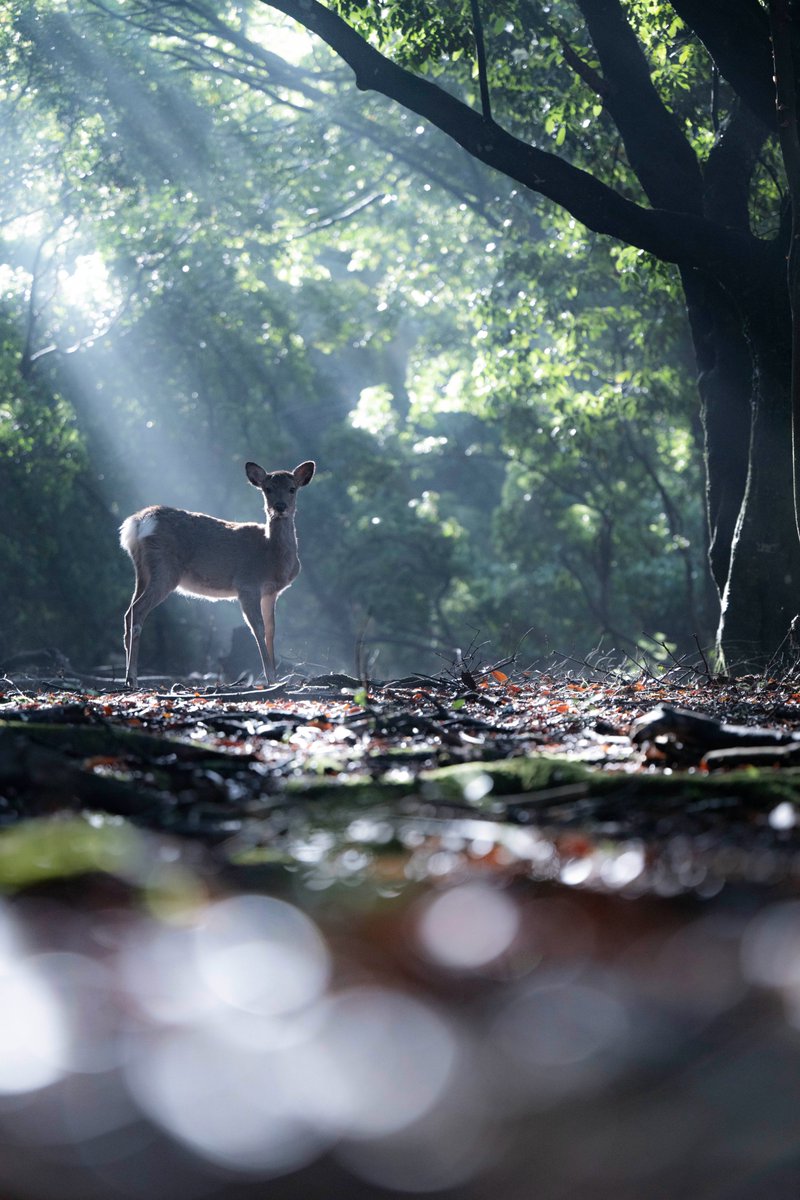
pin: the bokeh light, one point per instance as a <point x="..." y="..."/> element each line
<point x="468" y="926"/>
<point x="33" y="1035"/>
<point x="381" y="1060"/>
<point x="418" y="1048"/>
<point x="235" y="1105"/>
<point x="261" y="955"/>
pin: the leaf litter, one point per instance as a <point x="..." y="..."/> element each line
<point x="639" y="785"/>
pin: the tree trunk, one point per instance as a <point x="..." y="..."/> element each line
<point x="782" y="17"/>
<point x="725" y="384"/>
<point x="762" y="593"/>
<point x="744" y="378"/>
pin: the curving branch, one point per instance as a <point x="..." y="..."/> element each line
<point x="335" y="218"/>
<point x="673" y="236"/>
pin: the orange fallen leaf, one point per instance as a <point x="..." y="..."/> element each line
<point x="575" y="845"/>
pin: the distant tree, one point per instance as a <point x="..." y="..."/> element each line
<point x="57" y="590"/>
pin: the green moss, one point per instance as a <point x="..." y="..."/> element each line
<point x="57" y="847"/>
<point x="488" y="786"/>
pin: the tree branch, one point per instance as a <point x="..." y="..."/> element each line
<point x="335" y="218"/>
<point x="590" y="77"/>
<point x="659" y="153"/>
<point x="480" y="53"/>
<point x="730" y="165"/>
<point x="780" y="23"/>
<point x="736" y="35"/>
<point x="677" y="237"/>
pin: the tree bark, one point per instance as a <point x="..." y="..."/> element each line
<point x="736" y="35"/>
<point x="743" y="346"/>
<point x="782" y="15"/>
<point x="761" y="595"/>
<point x="725" y="384"/>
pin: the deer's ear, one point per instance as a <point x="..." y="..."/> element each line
<point x="304" y="473"/>
<point x="256" y="474"/>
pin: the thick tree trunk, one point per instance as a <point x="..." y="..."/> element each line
<point x="783" y="16"/>
<point x="725" y="384"/>
<point x="744" y="378"/>
<point x="762" y="593"/>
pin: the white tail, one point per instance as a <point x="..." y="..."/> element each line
<point x="174" y="550"/>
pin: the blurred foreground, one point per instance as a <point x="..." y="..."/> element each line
<point x="165" y="1033"/>
<point x="473" y="940"/>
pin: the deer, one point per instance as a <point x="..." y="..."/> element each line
<point x="173" y="550"/>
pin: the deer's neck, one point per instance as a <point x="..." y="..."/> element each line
<point x="282" y="538"/>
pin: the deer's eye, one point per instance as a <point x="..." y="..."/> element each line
<point x="292" y="491"/>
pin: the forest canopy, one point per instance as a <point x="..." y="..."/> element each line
<point x="217" y="245"/>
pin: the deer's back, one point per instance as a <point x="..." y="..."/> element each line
<point x="207" y="556"/>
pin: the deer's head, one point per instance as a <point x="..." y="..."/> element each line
<point x="280" y="487"/>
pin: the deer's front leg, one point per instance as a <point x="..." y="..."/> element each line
<point x="251" y="611"/>
<point x="268" y="617"/>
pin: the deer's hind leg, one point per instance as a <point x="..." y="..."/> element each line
<point x="153" y="585"/>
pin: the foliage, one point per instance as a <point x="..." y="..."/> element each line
<point x="598" y="424"/>
<point x="57" y="590"/>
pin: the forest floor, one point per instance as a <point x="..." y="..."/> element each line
<point x="577" y="891"/>
<point x="603" y="783"/>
